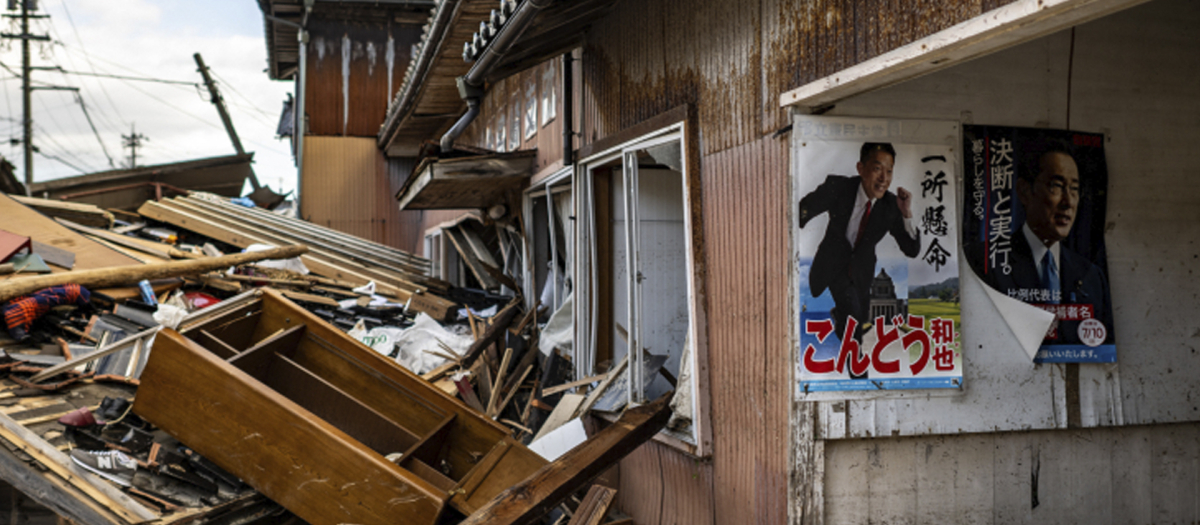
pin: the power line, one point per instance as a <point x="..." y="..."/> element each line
<point x="123" y="77"/>
<point x="56" y="157"/>
<point x="87" y="59"/>
<point x="79" y="98"/>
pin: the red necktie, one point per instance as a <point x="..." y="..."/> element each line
<point x="862" y="225"/>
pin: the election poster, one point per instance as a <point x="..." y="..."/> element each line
<point x="1033" y="229"/>
<point x="876" y="254"/>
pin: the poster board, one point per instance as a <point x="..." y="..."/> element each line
<point x="877" y="302"/>
<point x="1033" y="229"/>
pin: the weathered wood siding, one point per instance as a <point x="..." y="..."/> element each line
<point x="348" y="69"/>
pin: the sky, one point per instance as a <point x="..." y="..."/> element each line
<point x="145" y="39"/>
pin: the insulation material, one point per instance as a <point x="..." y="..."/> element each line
<point x="425" y="336"/>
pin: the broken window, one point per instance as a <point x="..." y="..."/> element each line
<point x="549" y="209"/>
<point x="637" y="277"/>
<point x="549" y="98"/>
<point x="514" y="122"/>
<point x="531" y="110"/>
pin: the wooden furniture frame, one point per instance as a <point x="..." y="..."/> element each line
<point x="306" y="415"/>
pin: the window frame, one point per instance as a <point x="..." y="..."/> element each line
<point x="558" y="182"/>
<point x="682" y="130"/>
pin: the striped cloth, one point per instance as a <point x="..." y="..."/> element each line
<point x="21" y="312"/>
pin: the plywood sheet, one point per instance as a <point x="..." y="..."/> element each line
<point x="89" y="254"/>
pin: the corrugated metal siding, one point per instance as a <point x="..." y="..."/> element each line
<point x="732" y="60"/>
<point x="348" y="187"/>
<point x="659" y="486"/>
<point x="746" y="232"/>
<point x="368" y="76"/>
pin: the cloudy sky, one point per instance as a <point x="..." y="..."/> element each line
<point x="146" y="39"/>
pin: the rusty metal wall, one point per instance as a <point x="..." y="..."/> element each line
<point x="326" y="101"/>
<point x="349" y="187"/>
<point x="731" y="59"/>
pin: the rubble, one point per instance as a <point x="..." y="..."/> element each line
<point x="490" y="380"/>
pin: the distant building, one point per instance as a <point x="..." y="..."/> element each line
<point x="883" y="298"/>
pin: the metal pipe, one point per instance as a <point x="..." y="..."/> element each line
<point x="298" y="128"/>
<point x="568" y="108"/>
<point x="447" y="142"/>
<point x="470" y="86"/>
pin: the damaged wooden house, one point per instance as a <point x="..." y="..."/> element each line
<point x="634" y="167"/>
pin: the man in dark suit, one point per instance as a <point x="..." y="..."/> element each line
<point x="861" y="211"/>
<point x="1043" y="271"/>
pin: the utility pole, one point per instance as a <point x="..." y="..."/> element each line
<point x="262" y="195"/>
<point x="26" y="89"/>
<point x="133" y="141"/>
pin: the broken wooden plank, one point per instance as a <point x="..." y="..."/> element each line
<point x="469" y="259"/>
<point x="492" y="333"/>
<point x="468" y="394"/>
<point x="96" y="488"/>
<point x="512" y="392"/>
<point x="562" y="413"/>
<point x="309" y="298"/>
<point x="594" y="507"/>
<point x="540" y="492"/>
<point x="87" y="214"/>
<point x="567" y="386"/>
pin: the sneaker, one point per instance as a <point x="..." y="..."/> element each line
<point x="110" y="464"/>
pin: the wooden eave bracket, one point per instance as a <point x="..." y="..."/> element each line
<point x="1000" y="28"/>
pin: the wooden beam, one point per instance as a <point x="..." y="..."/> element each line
<point x="1001" y="28"/>
<point x="129" y="275"/>
<point x="594" y="506"/>
<point x="493" y="333"/>
<point x="551" y="484"/>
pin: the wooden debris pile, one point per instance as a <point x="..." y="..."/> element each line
<point x="332" y="254"/>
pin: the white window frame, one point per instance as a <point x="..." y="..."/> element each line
<point x="557" y="182"/>
<point x="699" y="443"/>
<point x="433" y="252"/>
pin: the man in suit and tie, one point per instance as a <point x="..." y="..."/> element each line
<point x="1042" y="269"/>
<point x="861" y="211"/>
